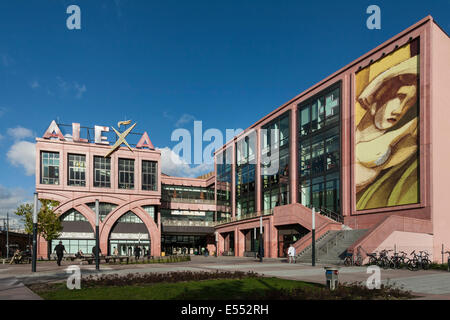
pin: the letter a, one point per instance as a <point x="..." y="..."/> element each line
<point x="74" y="20"/>
<point x="145" y="142"/>
<point x="374" y="281"/>
<point x="374" y="21"/>
<point x="74" y="280"/>
<point x="53" y="131"/>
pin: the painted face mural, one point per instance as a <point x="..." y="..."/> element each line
<point x="387" y="120"/>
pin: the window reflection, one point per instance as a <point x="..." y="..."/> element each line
<point x="319" y="151"/>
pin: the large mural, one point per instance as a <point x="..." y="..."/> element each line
<point x="387" y="128"/>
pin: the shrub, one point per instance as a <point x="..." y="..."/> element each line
<point x="148" y="278"/>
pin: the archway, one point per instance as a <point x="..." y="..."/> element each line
<point x="78" y="233"/>
<point x="127" y="234"/>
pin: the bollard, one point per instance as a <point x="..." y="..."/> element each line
<point x="332" y="277"/>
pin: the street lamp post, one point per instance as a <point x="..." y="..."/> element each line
<point x="97" y="240"/>
<point x="313" y="234"/>
<point x="7" y="235"/>
<point x="35" y="219"/>
<point x="217" y="243"/>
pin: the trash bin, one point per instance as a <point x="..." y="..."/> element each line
<point x="332" y="277"/>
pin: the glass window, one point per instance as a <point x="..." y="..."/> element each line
<point x="104" y="208"/>
<point x="149" y="175"/>
<point x="130" y="217"/>
<point x="305" y="121"/>
<point x="319" y="151"/>
<point x="72" y="215"/>
<point x="151" y="211"/>
<point x="126" y="173"/>
<point x="77" y="170"/>
<point x="102" y="172"/>
<point x="332" y="106"/>
<point x="49" y="167"/>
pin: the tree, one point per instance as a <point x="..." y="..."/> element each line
<point x="49" y="225"/>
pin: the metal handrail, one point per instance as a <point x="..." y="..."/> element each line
<point x="183" y="223"/>
<point x="184" y="200"/>
<point x="331" y="214"/>
<point x="246" y="216"/>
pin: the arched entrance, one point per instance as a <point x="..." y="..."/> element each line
<point x="77" y="233"/>
<point x="128" y="233"/>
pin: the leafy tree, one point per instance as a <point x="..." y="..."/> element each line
<point x="49" y="225"/>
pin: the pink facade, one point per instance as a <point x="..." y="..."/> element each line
<point x="406" y="225"/>
<point x="125" y="200"/>
<point x="427" y="217"/>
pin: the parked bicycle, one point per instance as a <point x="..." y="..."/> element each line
<point x="354" y="260"/>
<point x="419" y="261"/>
<point x="399" y="260"/>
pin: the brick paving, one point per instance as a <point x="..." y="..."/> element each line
<point x="431" y="284"/>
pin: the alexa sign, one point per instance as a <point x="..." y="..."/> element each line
<point x="53" y="131"/>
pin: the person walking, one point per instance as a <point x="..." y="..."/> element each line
<point x="115" y="252"/>
<point x="291" y="253"/>
<point x="94" y="251"/>
<point x="59" y="249"/>
<point x="137" y="252"/>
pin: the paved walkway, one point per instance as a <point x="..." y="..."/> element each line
<point x="429" y="284"/>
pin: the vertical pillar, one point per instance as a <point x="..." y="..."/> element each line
<point x="215" y="187"/>
<point x="293" y="146"/>
<point x="346" y="147"/>
<point x="258" y="171"/>
<point x="233" y="178"/>
<point x="35" y="221"/>
<point x="97" y="236"/>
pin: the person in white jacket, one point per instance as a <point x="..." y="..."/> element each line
<point x="291" y="253"/>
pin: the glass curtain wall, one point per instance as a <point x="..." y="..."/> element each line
<point x="245" y="175"/>
<point x="275" y="162"/>
<point x="224" y="161"/>
<point x="319" y="151"/>
<point x="186" y="193"/>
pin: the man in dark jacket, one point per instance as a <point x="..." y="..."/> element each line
<point x="137" y="252"/>
<point x="94" y="251"/>
<point x="59" y="249"/>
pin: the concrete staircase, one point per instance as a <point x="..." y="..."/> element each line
<point x="332" y="246"/>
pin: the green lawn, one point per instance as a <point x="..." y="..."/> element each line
<point x="203" y="290"/>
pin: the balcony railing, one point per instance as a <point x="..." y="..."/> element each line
<point x="188" y="223"/>
<point x="182" y="200"/>
<point x="245" y="216"/>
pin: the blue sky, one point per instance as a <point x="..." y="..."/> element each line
<point x="166" y="63"/>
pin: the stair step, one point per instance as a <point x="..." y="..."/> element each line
<point x="335" y="252"/>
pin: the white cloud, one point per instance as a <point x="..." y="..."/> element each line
<point x="184" y="119"/>
<point x="10" y="198"/>
<point x="79" y="90"/>
<point x="173" y="165"/>
<point x="7" y="60"/>
<point x="23" y="153"/>
<point x="74" y="87"/>
<point x="20" y="133"/>
<point x="34" y="84"/>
